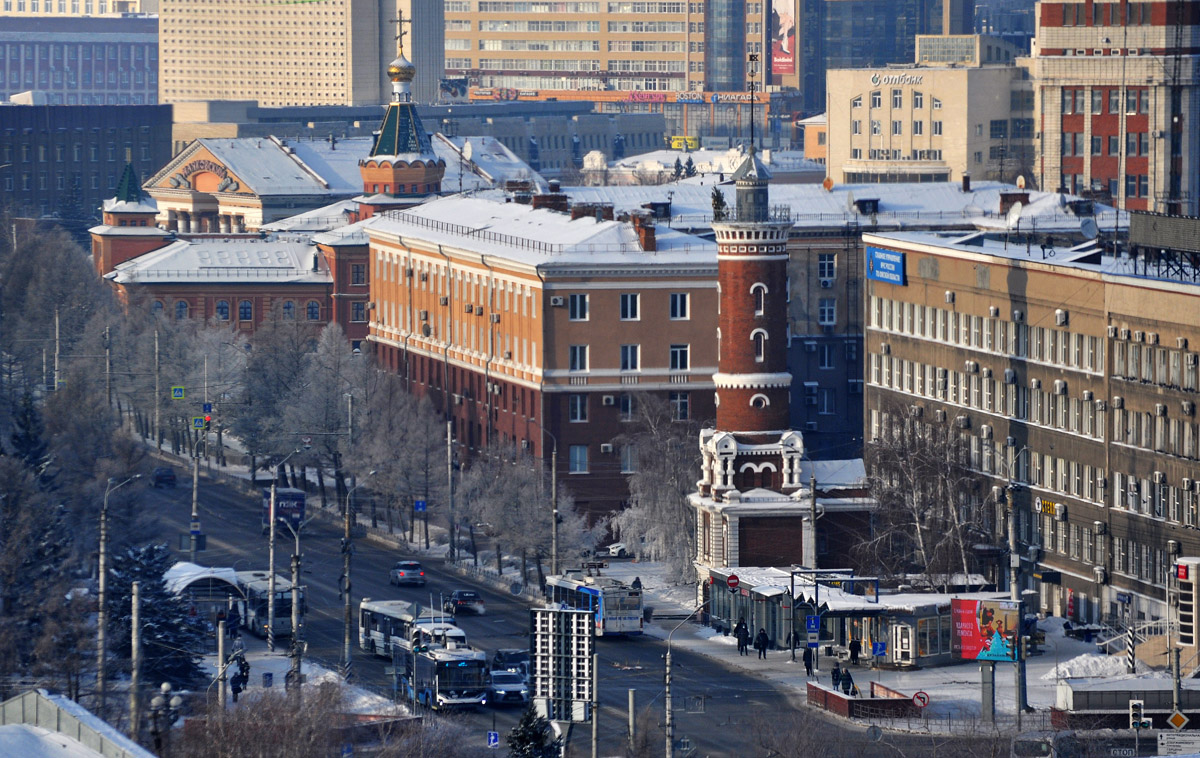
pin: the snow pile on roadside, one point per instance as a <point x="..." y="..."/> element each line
<point x="712" y="635"/>
<point x="1092" y="665"/>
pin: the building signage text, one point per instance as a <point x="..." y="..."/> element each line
<point x="878" y="79"/>
<point x="212" y="167"/>
<point x="885" y="266"/>
<point x="647" y="97"/>
<point x="1044" y="506"/>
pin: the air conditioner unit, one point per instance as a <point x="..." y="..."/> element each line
<point x="1181" y="343"/>
<point x="1100" y="527"/>
<point x="1190" y="359"/>
<point x="963" y="422"/>
<point x="1160" y="409"/>
<point x="1100" y="573"/>
<point x="810" y="426"/>
<point x="1087" y="394"/>
<point x="971" y="367"/>
<point x="949" y="297"/>
<point x="371" y="305"/>
<point x="1102" y="482"/>
<point x="1173" y="547"/>
<point x="495" y="318"/>
<point x="1101" y="405"/>
<point x="1010" y="376"/>
<point x="810" y="400"/>
<point x="508" y="355"/>
<point x="986" y="372"/>
<point x="1035" y="553"/>
<point x="457" y="399"/>
<point x="1010" y="441"/>
<point x="1018" y="316"/>
<point x="1060" y="317"/>
<point x="1139" y="336"/>
<point x="1060" y="512"/>
<point x="1112" y="332"/>
<point x="1124" y="333"/>
<point x="468" y="308"/>
<point x="424" y="276"/>
<point x="1035" y="384"/>
<point x="557" y="301"/>
<point x="915" y="411"/>
<point x="423" y="315"/>
<point x="606" y="448"/>
<point x="479" y="310"/>
<point x="1187" y="407"/>
<point x="985" y="432"/>
<point x="608" y="400"/>
<point x="1186" y="483"/>
<point x="993" y="311"/>
<point x="497" y="389"/>
<point x="826" y="284"/>
<point x="1159" y="477"/>
<point x="1152" y="338"/>
<point x="443" y="300"/>
<point x="408" y="272"/>
<point x="939" y="414"/>
<point x="885" y="348"/>
<point x="524" y="444"/>
<point x="1060" y="387"/>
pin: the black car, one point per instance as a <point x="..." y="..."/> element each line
<point x="163" y="476"/>
<point x="514" y="661"/>
<point x="464" y="600"/>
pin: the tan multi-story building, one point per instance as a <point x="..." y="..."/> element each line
<point x="1118" y="101"/>
<point x="931" y="123"/>
<point x="280" y="54"/>
<point x="1072" y="379"/>
<point x="76" y="8"/>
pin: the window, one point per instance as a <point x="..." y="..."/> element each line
<point x="358" y="273"/>
<point x="897" y="98"/>
<point x="937" y="128"/>
<point x="358" y="312"/>
<point x="826" y="401"/>
<point x="223" y="310"/>
<point x="577" y="307"/>
<point x="679" y="306"/>
<point x="578" y="459"/>
<point x="876" y="129"/>
<point x="937" y="104"/>
<point x="181" y="309"/>
<point x="679" y="357"/>
<point x="628" y="459"/>
<point x="578" y="357"/>
<point x="1097" y="145"/>
<point x="629" y="306"/>
<point x="289" y="310"/>
<point x="825" y="353"/>
<point x="627" y="407"/>
<point x="897" y="128"/>
<point x="918" y="100"/>
<point x="856" y="126"/>
<point x="313" y="310"/>
<point x="918" y="128"/>
<point x="631" y="357"/>
<point x="759" y="293"/>
<point x="827" y="266"/>
<point x="679" y="405"/>
<point x="827" y="311"/>
<point x="998" y="128"/>
<point x="760" y="345"/>
<point x="876" y="99"/>
<point x="856" y="102"/>
<point x="577" y="408"/>
<point x="245" y="310"/>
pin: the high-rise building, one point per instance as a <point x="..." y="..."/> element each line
<point x="75" y="9"/>
<point x="280" y="54"/>
<point x="1118" y="102"/>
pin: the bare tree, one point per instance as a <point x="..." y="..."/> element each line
<point x="929" y="493"/>
<point x="659" y="524"/>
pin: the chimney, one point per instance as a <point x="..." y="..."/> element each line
<point x="1008" y="199"/>
<point x="966" y="187"/>
<point x="316" y="263"/>
<point x="555" y="201"/>
<point x="555" y="187"/>
<point x="643" y="224"/>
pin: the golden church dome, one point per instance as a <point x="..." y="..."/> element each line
<point x="401" y="69"/>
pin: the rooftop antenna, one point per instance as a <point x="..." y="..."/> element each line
<point x="752" y="59"/>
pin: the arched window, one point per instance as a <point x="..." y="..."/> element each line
<point x="760" y="344"/>
<point x="223" y="310"/>
<point x="158" y="307"/>
<point x="245" y="311"/>
<point x="759" y="293"/>
<point x="181" y="309"/>
<point x="289" y="310"/>
<point x="314" y="310"/>
<point x="759" y="401"/>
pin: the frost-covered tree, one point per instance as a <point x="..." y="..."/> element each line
<point x="172" y="640"/>
<point x="533" y="738"/>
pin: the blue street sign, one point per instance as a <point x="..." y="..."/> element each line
<point x="812" y="623"/>
<point x="812" y="645"/>
<point x="177" y="393"/>
<point x="493" y="740"/>
<point x="419" y="506"/>
<point x="1124" y="597"/>
<point x="197" y="422"/>
<point x="878" y="648"/>
<point x="208" y="407"/>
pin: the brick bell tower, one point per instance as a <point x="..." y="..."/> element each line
<point x="752" y="446"/>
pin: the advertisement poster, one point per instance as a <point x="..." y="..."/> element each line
<point x="452" y="91"/>
<point x="783" y="38"/>
<point x="984" y="630"/>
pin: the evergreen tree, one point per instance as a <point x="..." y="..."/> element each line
<point x="719" y="207"/>
<point x="678" y="170"/>
<point x="689" y="168"/>
<point x="531" y="738"/>
<point x="28" y="442"/>
<point x="172" y="641"/>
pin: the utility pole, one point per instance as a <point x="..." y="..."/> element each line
<point x="57" y="350"/>
<point x="102" y="596"/>
<point x="221" y="667"/>
<point x="347" y="612"/>
<point x="595" y="698"/>
<point x="271" y="566"/>
<point x="450" y="486"/>
<point x="135" y="669"/>
<point x="670" y="718"/>
<point x="195" y="504"/>
<point x="108" y="366"/>
<point x="632" y="721"/>
<point x="296" y="652"/>
<point x="157" y="393"/>
<point x="554" y="509"/>
<point x="1014" y="582"/>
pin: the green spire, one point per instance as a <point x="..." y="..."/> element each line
<point x="129" y="189"/>
<point x="402" y="133"/>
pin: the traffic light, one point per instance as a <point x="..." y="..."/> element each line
<point x="207" y="422"/>
<point x="1137" y="715"/>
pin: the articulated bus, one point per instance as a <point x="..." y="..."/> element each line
<point x="254" y="603"/>
<point x="383" y="624"/>
<point x="617" y="607"/>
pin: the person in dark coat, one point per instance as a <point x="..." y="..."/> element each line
<point x="808" y="661"/>
<point x="847" y="682"/>
<point x="742" y="634"/>
<point x="836" y="675"/>
<point x="761" y="642"/>
<point x="855" y="648"/>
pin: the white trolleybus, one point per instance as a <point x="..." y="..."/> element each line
<point x="254" y="587"/>
<point x="616" y="607"/>
<point x="446" y="677"/>
<point x="384" y="624"/>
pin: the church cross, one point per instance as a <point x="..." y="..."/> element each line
<point x="400" y="33"/>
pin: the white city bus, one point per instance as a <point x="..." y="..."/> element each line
<point x="616" y="606"/>
<point x="254" y="587"/>
<point x="383" y="624"/>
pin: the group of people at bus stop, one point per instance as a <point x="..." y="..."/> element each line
<point x="842" y="678"/>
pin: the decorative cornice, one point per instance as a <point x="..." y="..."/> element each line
<point x="752" y="381"/>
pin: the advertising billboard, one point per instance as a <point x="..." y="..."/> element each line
<point x="886" y="266"/>
<point x="783" y="38"/>
<point x="985" y="630"/>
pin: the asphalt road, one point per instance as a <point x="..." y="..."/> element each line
<point x="719" y="709"/>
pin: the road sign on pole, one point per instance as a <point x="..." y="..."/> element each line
<point x="814" y="639"/>
<point x="812" y="624"/>
<point x="197" y="422"/>
<point x="878" y="648"/>
<point x="493" y="740"/>
<point x="208" y="407"/>
<point x="177" y="393"/>
<point x="419" y="506"/>
<point x="920" y="699"/>
<point x="732" y="582"/>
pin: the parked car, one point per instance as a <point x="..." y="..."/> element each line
<point x="513" y="661"/>
<point x="618" y="550"/>
<point x="407" y="572"/>
<point x="163" y="476"/>
<point x="460" y="600"/>
<point x="507" y="688"/>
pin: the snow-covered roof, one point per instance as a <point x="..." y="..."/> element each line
<point x="487" y="163"/>
<point x="835" y="474"/>
<point x="537" y="237"/>
<point x="320" y="219"/>
<point x="145" y="205"/>
<point x="183" y="574"/>
<point x="275" y="260"/>
<point x="820" y="119"/>
<point x="36" y="724"/>
<point x="922" y="205"/>
<point x="715" y="161"/>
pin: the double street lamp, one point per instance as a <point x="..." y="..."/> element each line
<point x="347" y="551"/>
<point x="553" y="496"/>
<point x="102" y="592"/>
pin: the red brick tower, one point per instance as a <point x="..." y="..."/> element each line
<point x="128" y="229"/>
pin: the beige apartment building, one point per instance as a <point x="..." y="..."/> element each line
<point x="929" y="123"/>
<point x="75" y="8"/>
<point x="283" y="54"/>
<point x="1118" y="102"/>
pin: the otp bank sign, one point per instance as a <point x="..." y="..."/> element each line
<point x="885" y="266"/>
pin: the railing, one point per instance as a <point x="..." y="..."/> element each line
<point x="848" y="217"/>
<point x="224" y="272"/>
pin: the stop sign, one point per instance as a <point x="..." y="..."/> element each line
<point x="732" y="582"/>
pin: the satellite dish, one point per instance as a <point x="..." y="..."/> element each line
<point x="1013" y="218"/>
<point x="827" y="184"/>
<point x="468" y="151"/>
<point x="1089" y="229"/>
<point x="1021" y="182"/>
<point x="850" y="202"/>
<point x="425" y="330"/>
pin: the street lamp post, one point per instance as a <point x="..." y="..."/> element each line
<point x="102" y="592"/>
<point x="271" y="555"/>
<point x="553" y="497"/>
<point x="670" y="720"/>
<point x="347" y="551"/>
<point x="293" y="676"/>
<point x="164" y="709"/>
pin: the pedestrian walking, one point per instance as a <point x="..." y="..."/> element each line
<point x="855" y="649"/>
<point x="761" y="642"/>
<point x="848" y="683"/>
<point x="836" y="675"/>
<point x="742" y="633"/>
<point x="808" y="662"/>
